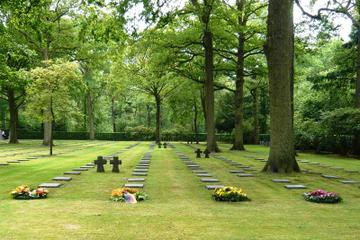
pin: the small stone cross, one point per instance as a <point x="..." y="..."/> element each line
<point x="100" y="162"/>
<point x="206" y="152"/>
<point x="198" y="153"/>
<point x="115" y="162"/>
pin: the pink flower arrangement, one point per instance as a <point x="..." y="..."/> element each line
<point x="322" y="196"/>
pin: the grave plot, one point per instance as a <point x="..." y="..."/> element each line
<point x="243" y="169"/>
<point x="204" y="176"/>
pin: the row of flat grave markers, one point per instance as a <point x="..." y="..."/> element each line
<point x="205" y="176"/>
<point x="140" y="172"/>
<point x="78" y="171"/>
<point x="242" y="170"/>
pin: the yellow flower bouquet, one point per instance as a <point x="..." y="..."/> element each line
<point x="24" y="192"/>
<point x="230" y="194"/>
<point x="118" y="195"/>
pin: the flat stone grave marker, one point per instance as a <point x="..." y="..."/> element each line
<point x="329" y="176"/>
<point x="142" y="167"/>
<point x="209" y="180"/>
<point x="80" y="169"/>
<point x="245" y="167"/>
<point x="236" y="171"/>
<point x="4" y="164"/>
<point x="139" y="174"/>
<point x="249" y="169"/>
<point x="296" y="186"/>
<point x="87" y="167"/>
<point x="136" y="179"/>
<point x="276" y="180"/>
<point x="23" y="160"/>
<point x="31" y="158"/>
<point x="144" y="164"/>
<point x="313" y="172"/>
<point x="303" y="161"/>
<point x="245" y="175"/>
<point x="235" y="164"/>
<point x="100" y="162"/>
<point x="72" y="173"/>
<point x="62" y="179"/>
<point x="50" y="185"/>
<point x="314" y="163"/>
<point x="259" y="159"/>
<point x="90" y="164"/>
<point x="140" y="170"/>
<point x="199" y="171"/>
<point x="203" y="175"/>
<point x="352" y="171"/>
<point x="213" y="187"/>
<point x="349" y="182"/>
<point x="337" y="168"/>
<point x="13" y="161"/>
<point x="134" y="185"/>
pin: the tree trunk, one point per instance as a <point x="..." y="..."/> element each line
<point x="196" y="127"/>
<point x="356" y="145"/>
<point x="239" y="84"/>
<point x="91" y="116"/>
<point x="255" y="113"/>
<point x="47" y="124"/>
<point x="279" y="58"/>
<point x="113" y="114"/>
<point x="158" y="118"/>
<point x="203" y="105"/>
<point x="148" y="118"/>
<point x="14" y="115"/>
<point x="209" y="92"/>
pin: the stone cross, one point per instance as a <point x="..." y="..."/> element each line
<point x="115" y="162"/>
<point x="198" y="153"/>
<point x="159" y="144"/>
<point x="165" y="145"/>
<point x="100" y="162"/>
<point x="206" y="152"/>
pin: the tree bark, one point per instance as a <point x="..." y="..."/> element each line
<point x="255" y="113"/>
<point x="356" y="144"/>
<point x="14" y="116"/>
<point x="91" y="116"/>
<point x="196" y="127"/>
<point x="158" y="118"/>
<point x="279" y="57"/>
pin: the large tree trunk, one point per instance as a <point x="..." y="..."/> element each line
<point x="91" y="116"/>
<point x="113" y="114"/>
<point x="196" y="127"/>
<point x="356" y="146"/>
<point x="239" y="92"/>
<point x="255" y="113"/>
<point x="279" y="56"/>
<point x="14" y="114"/>
<point x="209" y="92"/>
<point x="158" y="118"/>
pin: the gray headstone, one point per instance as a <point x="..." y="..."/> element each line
<point x="50" y="185"/>
<point x="142" y="167"/>
<point x="139" y="174"/>
<point x="314" y="163"/>
<point x="90" y="164"/>
<point x="80" y="169"/>
<point x="72" y="173"/>
<point x="136" y="179"/>
<point x="13" y="161"/>
<point x="349" y="182"/>
<point x="4" y="164"/>
<point x="352" y="171"/>
<point x="203" y="175"/>
<point x="87" y="167"/>
<point x="199" y="171"/>
<point x="213" y="187"/>
<point x="143" y="164"/>
<point x="140" y="170"/>
<point x="329" y="176"/>
<point x="337" y="168"/>
<point x="31" y="158"/>
<point x="280" y="180"/>
<point x="296" y="186"/>
<point x="245" y="167"/>
<point x="245" y="175"/>
<point x="23" y="160"/>
<point x="236" y="171"/>
<point x="134" y="185"/>
<point x="236" y="164"/>
<point x="62" y="179"/>
<point x="209" y="180"/>
<point x="259" y="159"/>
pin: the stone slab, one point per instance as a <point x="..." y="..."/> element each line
<point x="62" y="179"/>
<point x="314" y="163"/>
<point x="236" y="171"/>
<point x="337" y="168"/>
<point x="213" y="187"/>
<point x="280" y="180"/>
<point x="4" y="164"/>
<point x="50" y="185"/>
<point x="295" y="186"/>
<point x="245" y="175"/>
<point x="199" y="171"/>
<point x="23" y="160"/>
<point x="90" y="164"/>
<point x="352" y="171"/>
<point x="72" y="173"/>
<point x="80" y="169"/>
<point x="13" y="161"/>
<point x="329" y="176"/>
<point x="139" y="174"/>
<point x="136" y="179"/>
<point x="245" y="167"/>
<point x="209" y="180"/>
<point x="349" y="182"/>
<point x="259" y="159"/>
<point x="142" y="167"/>
<point x="87" y="167"/>
<point x="203" y="175"/>
<point x="140" y="170"/>
<point x="134" y="185"/>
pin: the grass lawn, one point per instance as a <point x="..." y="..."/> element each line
<point x="180" y="207"/>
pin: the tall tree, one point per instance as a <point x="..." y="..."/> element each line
<point x="278" y="51"/>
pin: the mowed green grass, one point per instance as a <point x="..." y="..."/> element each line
<point x="180" y="207"/>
